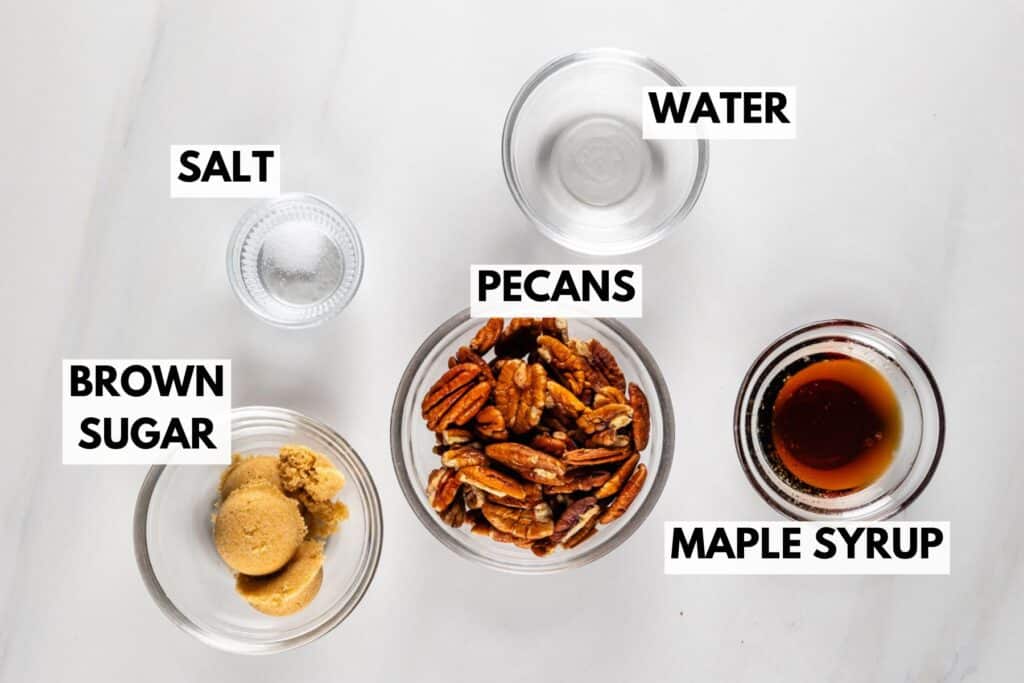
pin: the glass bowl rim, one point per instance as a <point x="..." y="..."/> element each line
<point x="233" y="254"/>
<point x="512" y="176"/>
<point x="756" y="371"/>
<point x="433" y="523"/>
<point x="179" y="619"/>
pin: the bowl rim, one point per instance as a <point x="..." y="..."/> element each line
<point x="233" y="257"/>
<point x="512" y="176"/>
<point x="756" y="370"/>
<point x="228" y="644"/>
<point x="433" y="523"/>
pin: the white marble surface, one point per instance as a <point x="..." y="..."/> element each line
<point x="900" y="204"/>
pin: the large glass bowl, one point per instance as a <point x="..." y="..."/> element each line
<point x="922" y="431"/>
<point x="412" y="443"/>
<point x="192" y="585"/>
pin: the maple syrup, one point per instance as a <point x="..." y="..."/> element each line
<point x="835" y="422"/>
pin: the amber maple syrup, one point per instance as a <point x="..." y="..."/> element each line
<point x="835" y="423"/>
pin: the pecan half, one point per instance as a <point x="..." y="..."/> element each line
<point x="492" y="481"/>
<point x="580" y="480"/>
<point x="543" y="547"/>
<point x="612" y="486"/>
<point x="582" y="457"/>
<point x="602" y="360"/>
<point x="641" y="417"/>
<point x="473" y="497"/>
<point x="534" y="494"/>
<point x="467" y="355"/>
<point x="555" y="443"/>
<point x="463" y="456"/>
<point x="520" y="395"/>
<point x="454" y="437"/>
<point x="534" y="465"/>
<point x="563" y="401"/>
<point x="518" y="522"/>
<point x="442" y="487"/>
<point x="608" y="438"/>
<point x="582" y="535"/>
<point x="606" y="395"/>
<point x="485" y="338"/>
<point x="565" y="361"/>
<point x="454" y="515"/>
<point x="612" y="416"/>
<point x="518" y="338"/>
<point x="490" y="424"/>
<point x="555" y="327"/>
<point x="626" y="496"/>
<point x="575" y="519"/>
<point x="456" y="397"/>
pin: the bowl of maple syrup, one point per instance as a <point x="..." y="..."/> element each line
<point x="839" y="420"/>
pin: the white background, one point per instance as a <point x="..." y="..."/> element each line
<point x="900" y="204"/>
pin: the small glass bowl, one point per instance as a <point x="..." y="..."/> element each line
<point x="413" y="457"/>
<point x="577" y="164"/>
<point x="187" y="579"/>
<point x="923" y="423"/>
<point x="295" y="260"/>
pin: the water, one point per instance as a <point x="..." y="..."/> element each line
<point x="600" y="160"/>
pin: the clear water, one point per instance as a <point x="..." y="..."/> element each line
<point x="600" y="160"/>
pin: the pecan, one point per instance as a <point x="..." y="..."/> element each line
<point x="612" y="486"/>
<point x="472" y="497"/>
<point x="518" y="338"/>
<point x="534" y="465"/>
<point x="467" y="355"/>
<point x="582" y="535"/>
<point x="492" y="481"/>
<point x="521" y="523"/>
<point x="626" y="496"/>
<point x="565" y="361"/>
<point x="520" y="395"/>
<point x="575" y="518"/>
<point x="534" y="494"/>
<point x="580" y="480"/>
<point x="442" y="487"/>
<point x="555" y="443"/>
<point x="454" y="515"/>
<point x="563" y="400"/>
<point x="555" y="327"/>
<point x="456" y="397"/>
<point x="543" y="547"/>
<point x="463" y="456"/>
<point x="454" y="437"/>
<point x="604" y="363"/>
<point x="611" y="416"/>
<point x="607" y="438"/>
<point x="606" y="395"/>
<point x="641" y="417"/>
<point x="582" y="457"/>
<point x="490" y="424"/>
<point x="485" y="338"/>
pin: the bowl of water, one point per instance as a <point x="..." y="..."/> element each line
<point x="295" y="260"/>
<point x="577" y="164"/>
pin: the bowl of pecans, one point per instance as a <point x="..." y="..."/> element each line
<point x="532" y="445"/>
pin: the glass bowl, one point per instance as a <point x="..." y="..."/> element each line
<point x="196" y="590"/>
<point x="577" y="165"/>
<point x="413" y="457"/>
<point x="295" y="260"/>
<point x="917" y="453"/>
